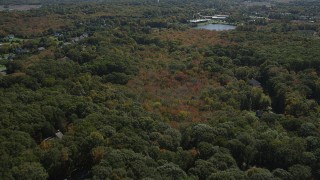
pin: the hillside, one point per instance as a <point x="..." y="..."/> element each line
<point x="131" y="90"/>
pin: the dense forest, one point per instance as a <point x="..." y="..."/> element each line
<point x="130" y="90"/>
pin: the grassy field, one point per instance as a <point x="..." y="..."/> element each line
<point x="18" y="7"/>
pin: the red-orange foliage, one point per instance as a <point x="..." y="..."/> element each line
<point x="193" y="37"/>
<point x="20" y="25"/>
<point x="175" y="96"/>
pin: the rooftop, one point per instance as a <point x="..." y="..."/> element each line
<point x="59" y="135"/>
<point x="255" y="83"/>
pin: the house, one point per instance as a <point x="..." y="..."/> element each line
<point x="259" y="113"/>
<point x="45" y="144"/>
<point x="199" y="20"/>
<point x="10" y="56"/>
<point x="85" y="35"/>
<point x="10" y="36"/>
<point x="21" y="51"/>
<point x="76" y="39"/>
<point x="57" y="35"/>
<point x="219" y="16"/>
<point x="67" y="43"/>
<point x="41" y="48"/>
<point x="59" y="134"/>
<point x="255" y="83"/>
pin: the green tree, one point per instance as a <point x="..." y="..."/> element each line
<point x="230" y="174"/>
<point x="282" y="174"/>
<point x="300" y="172"/>
<point x="171" y="171"/>
<point x="29" y="171"/>
<point x="259" y="174"/>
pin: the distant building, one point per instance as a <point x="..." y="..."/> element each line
<point x="57" y="35"/>
<point x="10" y="56"/>
<point x="41" y="48"/>
<point x="85" y="35"/>
<point x="258" y="17"/>
<point x="45" y="144"/>
<point x="259" y="113"/>
<point x="59" y="134"/>
<point x="21" y="51"/>
<point x="67" y="43"/>
<point x="255" y="83"/>
<point x="76" y="39"/>
<point x="199" y="20"/>
<point x="11" y="36"/>
<point x="219" y="16"/>
<point x="8" y="38"/>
